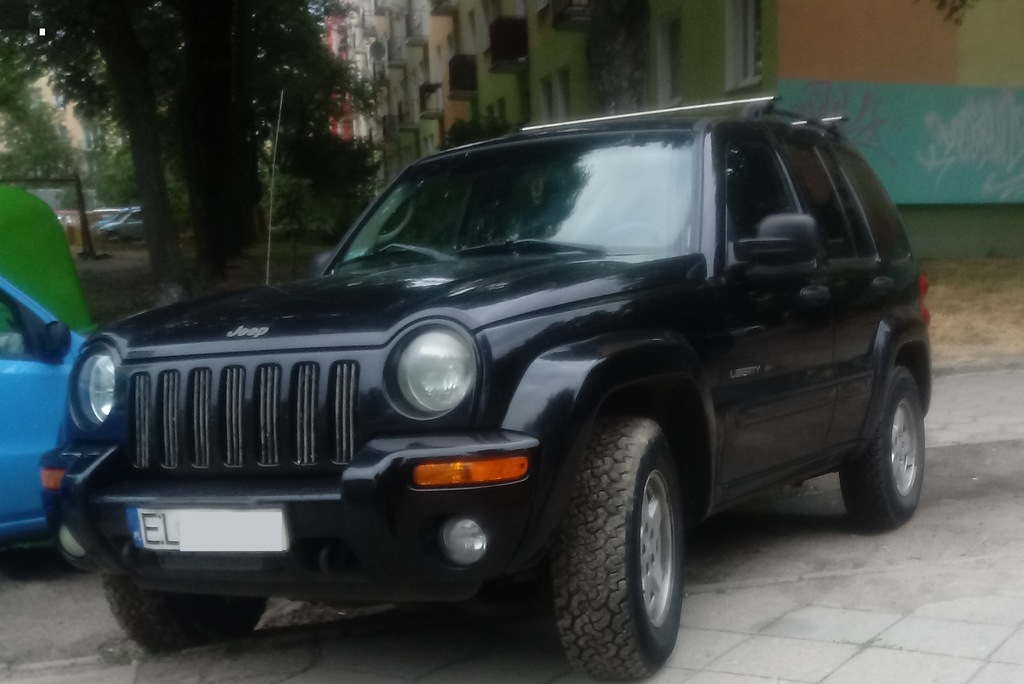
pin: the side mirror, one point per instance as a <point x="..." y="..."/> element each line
<point x="55" y="341"/>
<point x="320" y="263"/>
<point x="782" y="240"/>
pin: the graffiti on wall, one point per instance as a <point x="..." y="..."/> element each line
<point x="986" y="135"/>
<point x="930" y="144"/>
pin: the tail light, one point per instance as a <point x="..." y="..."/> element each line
<point x="922" y="286"/>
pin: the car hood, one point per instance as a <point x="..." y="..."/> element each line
<point x="360" y="306"/>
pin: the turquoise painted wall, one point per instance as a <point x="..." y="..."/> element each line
<point x="930" y="144"/>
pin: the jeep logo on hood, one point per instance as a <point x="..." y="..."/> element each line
<point x="242" y="331"/>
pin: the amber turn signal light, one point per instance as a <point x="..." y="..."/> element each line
<point x="51" y="478"/>
<point x="466" y="472"/>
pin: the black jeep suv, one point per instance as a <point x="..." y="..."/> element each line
<point x="550" y="353"/>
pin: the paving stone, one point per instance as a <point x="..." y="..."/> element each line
<point x="944" y="637"/>
<point x="123" y="674"/>
<point x="726" y="678"/>
<point x="884" y="666"/>
<point x="990" y="610"/>
<point x="695" y="648"/>
<point x="832" y="624"/>
<point x="781" y="658"/>
<point x="746" y="611"/>
<point x="1012" y="651"/>
<point x="1000" y="673"/>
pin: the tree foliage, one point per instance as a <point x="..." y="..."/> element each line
<point x="195" y="84"/>
<point x="617" y="53"/>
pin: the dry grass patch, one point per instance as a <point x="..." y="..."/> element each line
<point x="977" y="308"/>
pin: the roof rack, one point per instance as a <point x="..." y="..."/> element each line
<point x="747" y="101"/>
<point x="760" y="110"/>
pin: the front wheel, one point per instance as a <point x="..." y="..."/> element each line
<point x="881" y="489"/>
<point x="161" y="621"/>
<point x="617" y="566"/>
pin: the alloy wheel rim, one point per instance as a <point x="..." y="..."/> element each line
<point x="657" y="548"/>
<point x="904" y="448"/>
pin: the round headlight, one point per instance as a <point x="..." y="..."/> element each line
<point x="436" y="371"/>
<point x="95" y="387"/>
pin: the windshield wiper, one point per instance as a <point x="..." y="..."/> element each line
<point x="434" y="254"/>
<point x="530" y="245"/>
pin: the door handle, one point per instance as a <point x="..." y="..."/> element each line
<point x="815" y="295"/>
<point x="883" y="285"/>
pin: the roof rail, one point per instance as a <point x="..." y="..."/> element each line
<point x="748" y="101"/>
<point x="828" y="124"/>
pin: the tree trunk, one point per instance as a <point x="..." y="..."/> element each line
<point x="219" y="167"/>
<point x="128" y="67"/>
<point x="617" y="53"/>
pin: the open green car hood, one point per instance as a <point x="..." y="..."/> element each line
<point x="34" y="255"/>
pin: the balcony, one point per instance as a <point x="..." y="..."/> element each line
<point x="508" y="45"/>
<point x="570" y="15"/>
<point x="396" y="53"/>
<point x="444" y="8"/>
<point x="416" y="28"/>
<point x="462" y="77"/>
<point x="406" y="117"/>
<point x="431" y="101"/>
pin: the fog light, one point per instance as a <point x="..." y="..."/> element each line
<point x="463" y="541"/>
<point x="69" y="543"/>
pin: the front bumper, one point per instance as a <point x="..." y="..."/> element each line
<point x="364" y="533"/>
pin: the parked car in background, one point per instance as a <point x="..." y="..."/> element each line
<point x="40" y="303"/>
<point x="124" y="226"/>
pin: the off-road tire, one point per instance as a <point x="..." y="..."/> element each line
<point x="596" y="564"/>
<point x="868" y="483"/>
<point x="161" y="621"/>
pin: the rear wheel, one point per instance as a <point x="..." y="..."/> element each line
<point x="617" y="566"/>
<point x="161" y="621"/>
<point x="881" y="489"/>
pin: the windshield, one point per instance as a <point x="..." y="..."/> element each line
<point x="612" y="194"/>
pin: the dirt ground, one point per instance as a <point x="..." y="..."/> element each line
<point x="977" y="306"/>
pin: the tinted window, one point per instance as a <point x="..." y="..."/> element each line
<point x="12" y="333"/>
<point x="814" y="175"/>
<point x="883" y="218"/>
<point x="754" y="187"/>
<point x="624" y="195"/>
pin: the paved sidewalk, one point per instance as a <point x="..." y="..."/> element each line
<point x="976" y="408"/>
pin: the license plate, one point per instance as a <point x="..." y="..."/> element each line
<point x="209" y="530"/>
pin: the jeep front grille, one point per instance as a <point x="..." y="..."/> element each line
<point x="230" y="418"/>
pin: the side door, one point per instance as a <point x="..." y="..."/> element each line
<point x="776" y="391"/>
<point x="33" y="394"/>
<point x="858" y="287"/>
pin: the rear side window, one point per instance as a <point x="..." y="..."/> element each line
<point x="830" y="200"/>
<point x="881" y="214"/>
<point x="754" y="187"/>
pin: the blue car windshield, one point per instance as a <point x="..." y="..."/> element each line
<point x="607" y="193"/>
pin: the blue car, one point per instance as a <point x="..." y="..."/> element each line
<point x="40" y="301"/>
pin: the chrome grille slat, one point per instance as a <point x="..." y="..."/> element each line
<point x="170" y="394"/>
<point x="210" y="418"/>
<point x="344" y="411"/>
<point x="268" y="383"/>
<point x="202" y="382"/>
<point x="307" y="377"/>
<point x="234" y="400"/>
<point x="141" y="386"/>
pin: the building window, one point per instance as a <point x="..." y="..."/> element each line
<point x="743" y="43"/>
<point x="670" y="62"/>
